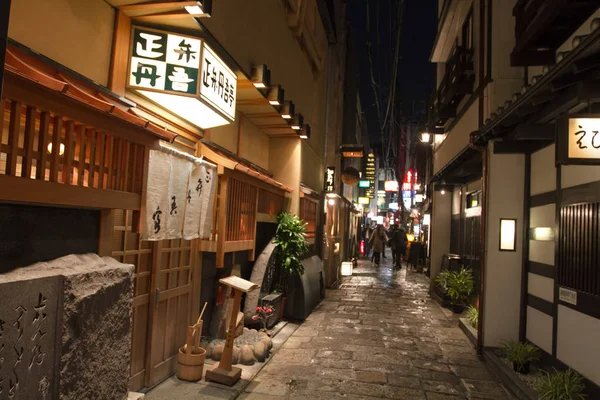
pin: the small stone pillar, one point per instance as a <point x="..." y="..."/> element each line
<point x="65" y="329"/>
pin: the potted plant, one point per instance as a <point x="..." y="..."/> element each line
<point x="441" y="282"/>
<point x="520" y="354"/>
<point x="459" y="286"/>
<point x="564" y="385"/>
<point x="291" y="245"/>
<point x="473" y="316"/>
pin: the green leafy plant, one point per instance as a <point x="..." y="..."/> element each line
<point x="473" y="316"/>
<point x="563" y="385"/>
<point x="442" y="279"/>
<point x="291" y="244"/>
<point x="520" y="353"/>
<point x="459" y="285"/>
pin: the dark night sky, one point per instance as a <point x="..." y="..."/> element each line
<point x="416" y="75"/>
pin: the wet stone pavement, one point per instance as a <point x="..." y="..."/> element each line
<point x="379" y="336"/>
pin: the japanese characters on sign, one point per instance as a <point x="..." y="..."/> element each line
<point x="219" y="83"/>
<point x="578" y="140"/>
<point x="183" y="66"/>
<point x="370" y="175"/>
<point x="165" y="62"/>
<point x="330" y="179"/>
<point x="28" y="339"/>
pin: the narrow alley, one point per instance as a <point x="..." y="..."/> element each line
<point x="379" y="336"/>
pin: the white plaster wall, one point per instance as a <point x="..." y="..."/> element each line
<point x="541" y="287"/>
<point x="440" y="230"/>
<point x="543" y="216"/>
<point x="577" y="342"/>
<point x="541" y="251"/>
<point x="456" y="197"/>
<point x="573" y="175"/>
<point x="539" y="329"/>
<point x="503" y="269"/>
<point x="457" y="139"/>
<point x="543" y="175"/>
<point x="76" y="34"/>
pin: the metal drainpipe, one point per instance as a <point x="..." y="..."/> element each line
<point x="484" y="182"/>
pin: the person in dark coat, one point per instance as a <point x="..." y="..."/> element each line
<point x="398" y="244"/>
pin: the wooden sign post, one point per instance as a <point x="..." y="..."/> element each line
<point x="225" y="373"/>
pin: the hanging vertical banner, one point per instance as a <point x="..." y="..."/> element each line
<point x="330" y="179"/>
<point x="157" y="195"/>
<point x="178" y="196"/>
<point x="209" y="188"/>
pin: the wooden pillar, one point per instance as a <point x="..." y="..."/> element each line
<point x="4" y="18"/>
<point x="107" y="223"/>
<point x="223" y="180"/>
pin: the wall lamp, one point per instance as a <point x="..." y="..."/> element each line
<point x="203" y="8"/>
<point x="508" y="234"/>
<point x="297" y="122"/>
<point x="260" y="76"/>
<point x="542" y="233"/>
<point x="304" y="132"/>
<point x="275" y="95"/>
<point x="287" y="110"/>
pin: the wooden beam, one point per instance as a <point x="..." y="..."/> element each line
<point x="534" y="132"/>
<point x="519" y="146"/>
<point x="4" y="19"/>
<point x="239" y="245"/>
<point x="33" y="191"/>
<point x="525" y="58"/>
<point x="157" y="6"/>
<point x="223" y="192"/>
<point x="117" y="80"/>
<point x="105" y="240"/>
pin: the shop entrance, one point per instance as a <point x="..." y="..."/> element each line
<point x="162" y="303"/>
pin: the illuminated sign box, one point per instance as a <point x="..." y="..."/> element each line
<point x="363" y="200"/>
<point x="578" y="140"/>
<point x="391" y="186"/>
<point x="183" y="75"/>
<point x="364" y="184"/>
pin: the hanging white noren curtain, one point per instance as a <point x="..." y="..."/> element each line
<point x="178" y="196"/>
<point x="157" y="195"/>
<point x="209" y="187"/>
<point x="193" y="212"/>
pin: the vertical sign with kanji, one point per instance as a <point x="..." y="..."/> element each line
<point x="219" y="83"/>
<point x="330" y="179"/>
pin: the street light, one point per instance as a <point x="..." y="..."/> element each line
<point x="426" y="137"/>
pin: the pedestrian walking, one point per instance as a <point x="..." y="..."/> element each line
<point x="398" y="244"/>
<point x="378" y="239"/>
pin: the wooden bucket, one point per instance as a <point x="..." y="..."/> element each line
<point x="191" y="357"/>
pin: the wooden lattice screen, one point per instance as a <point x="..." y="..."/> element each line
<point x="579" y="248"/>
<point x="41" y="145"/>
<point x="128" y="248"/>
<point x="241" y="211"/>
<point x="269" y="203"/>
<point x="308" y="213"/>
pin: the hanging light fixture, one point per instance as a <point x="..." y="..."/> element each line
<point x="304" y="132"/>
<point x="199" y="8"/>
<point x="275" y="95"/>
<point x="260" y="76"/>
<point x="297" y="122"/>
<point x="287" y="110"/>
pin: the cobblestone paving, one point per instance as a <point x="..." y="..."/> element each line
<point x="378" y="336"/>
